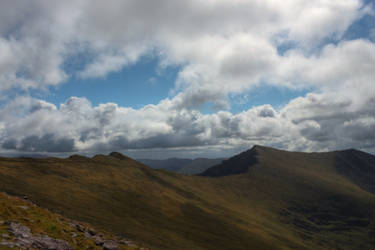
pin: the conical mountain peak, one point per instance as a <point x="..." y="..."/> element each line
<point x="235" y="165"/>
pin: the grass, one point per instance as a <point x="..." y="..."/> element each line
<point x="44" y="222"/>
<point x="285" y="200"/>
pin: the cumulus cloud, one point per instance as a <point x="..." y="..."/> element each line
<point x="314" y="122"/>
<point x="212" y="40"/>
<point x="33" y="39"/>
<point x="221" y="47"/>
<point x="76" y="125"/>
<point x="332" y="121"/>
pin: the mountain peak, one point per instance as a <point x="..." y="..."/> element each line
<point x="263" y="148"/>
<point x="238" y="164"/>
<point x="119" y="156"/>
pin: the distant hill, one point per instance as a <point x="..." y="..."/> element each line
<point x="182" y="166"/>
<point x="353" y="164"/>
<point x="171" y="164"/>
<point x="263" y="198"/>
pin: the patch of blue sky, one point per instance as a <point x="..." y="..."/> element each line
<point x="361" y="29"/>
<point x="286" y="46"/>
<point x="283" y="43"/>
<point x="134" y="86"/>
<point x="276" y="96"/>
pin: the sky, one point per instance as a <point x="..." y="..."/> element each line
<point x="166" y="78"/>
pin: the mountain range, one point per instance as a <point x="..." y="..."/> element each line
<point x="263" y="198"/>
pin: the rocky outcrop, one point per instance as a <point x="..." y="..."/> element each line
<point x="24" y="239"/>
<point x="106" y="244"/>
<point x="18" y="229"/>
<point x="21" y="237"/>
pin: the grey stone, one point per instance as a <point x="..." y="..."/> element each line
<point x="92" y="231"/>
<point x="126" y="242"/>
<point x="25" y="242"/>
<point x="98" y="240"/>
<point x="26" y="239"/>
<point x="5" y="236"/>
<point x="19" y="230"/>
<point x="87" y="235"/>
<point x="45" y="242"/>
<point x="23" y="207"/>
<point x="8" y="244"/>
<point x="110" y="245"/>
<point x="80" y="228"/>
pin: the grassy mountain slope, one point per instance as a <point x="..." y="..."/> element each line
<point x="125" y="197"/>
<point x="325" y="197"/>
<point x="43" y="222"/>
<point x="261" y="199"/>
<point x="183" y="166"/>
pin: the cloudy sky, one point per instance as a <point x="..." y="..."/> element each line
<point x="186" y="78"/>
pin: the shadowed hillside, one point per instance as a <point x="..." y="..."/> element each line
<point x="260" y="199"/>
<point x="238" y="164"/>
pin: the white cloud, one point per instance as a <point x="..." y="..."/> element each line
<point x="220" y="39"/>
<point x="314" y="122"/>
<point x="33" y="38"/>
<point x="222" y="48"/>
